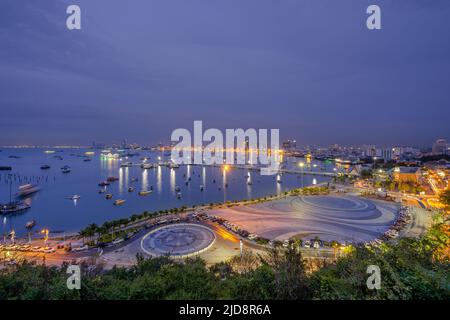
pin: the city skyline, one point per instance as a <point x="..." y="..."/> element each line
<point x="317" y="74"/>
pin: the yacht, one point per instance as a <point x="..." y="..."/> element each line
<point x="119" y="202"/>
<point x="147" y="166"/>
<point x="126" y="164"/>
<point x="74" y="197"/>
<point x="27" y="189"/>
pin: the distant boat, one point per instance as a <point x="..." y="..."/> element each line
<point x="74" y="197"/>
<point x="5" y="168"/>
<point x="112" y="179"/>
<point x="130" y="189"/>
<point x="101" y="191"/>
<point x="27" y="189"/>
<point x="103" y="184"/>
<point x="65" y="170"/>
<point x="126" y="164"/>
<point x="45" y="167"/>
<point x="177" y="188"/>
<point x="87" y="159"/>
<point x="147" y="166"/>
<point x="179" y="195"/>
<point x="13" y="207"/>
<point x="30" y="224"/>
<point x="109" y="196"/>
<point x="144" y="192"/>
<point x="119" y="202"/>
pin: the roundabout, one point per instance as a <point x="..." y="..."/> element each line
<point x="178" y="240"/>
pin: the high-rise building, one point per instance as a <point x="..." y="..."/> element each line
<point x="440" y="147"/>
<point x="290" y="145"/>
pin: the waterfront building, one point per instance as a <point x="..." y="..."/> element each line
<point x="440" y="147"/>
<point x="407" y="174"/>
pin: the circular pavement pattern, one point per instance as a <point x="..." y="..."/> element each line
<point x="178" y="240"/>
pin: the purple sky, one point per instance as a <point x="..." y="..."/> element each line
<point x="139" y="69"/>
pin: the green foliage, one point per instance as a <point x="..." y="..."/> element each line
<point x="410" y="269"/>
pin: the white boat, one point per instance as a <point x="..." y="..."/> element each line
<point x="27" y="189"/>
<point x="147" y="166"/>
<point x="74" y="197"/>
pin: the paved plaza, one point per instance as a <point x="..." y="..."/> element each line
<point x="332" y="217"/>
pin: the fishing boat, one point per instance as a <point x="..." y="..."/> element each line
<point x="27" y="189"/>
<point x="74" y="197"/>
<point x="45" y="167"/>
<point x="144" y="192"/>
<point x="119" y="202"/>
<point x="108" y="196"/>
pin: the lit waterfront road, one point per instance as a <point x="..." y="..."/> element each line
<point x="224" y="233"/>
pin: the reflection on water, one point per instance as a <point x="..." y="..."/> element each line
<point x="144" y="179"/>
<point x="172" y="180"/>
<point x="159" y="179"/>
<point x="278" y="184"/>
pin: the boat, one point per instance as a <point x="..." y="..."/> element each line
<point x="109" y="196"/>
<point x="147" y="166"/>
<point x="201" y="187"/>
<point x="101" y="191"/>
<point x="144" y="192"/>
<point x="65" y="170"/>
<point x="13" y="207"/>
<point x="112" y="179"/>
<point x="119" y="202"/>
<point x="103" y="184"/>
<point x="74" y="197"/>
<point x="45" y="167"/>
<point x="130" y="189"/>
<point x="126" y="164"/>
<point x="5" y="168"/>
<point x="27" y="189"/>
<point x="177" y="188"/>
<point x="30" y="224"/>
<point x="179" y="195"/>
<point x="87" y="159"/>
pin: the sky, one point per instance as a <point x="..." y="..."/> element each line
<point x="139" y="69"/>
